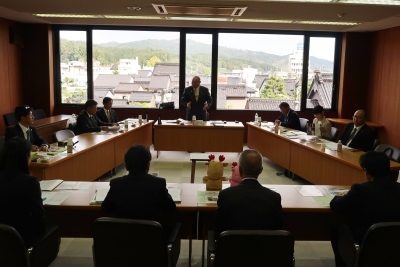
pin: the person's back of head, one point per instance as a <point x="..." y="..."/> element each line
<point x="137" y="159"/>
<point x="284" y="105"/>
<point x="106" y="100"/>
<point x="250" y="163"/>
<point x="16" y="156"/>
<point x="90" y="103"/>
<point x="376" y="164"/>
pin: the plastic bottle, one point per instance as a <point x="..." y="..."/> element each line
<point x="256" y="118"/>
<point x="308" y="128"/>
<point x="339" y="146"/>
<point x="147" y="118"/>
<point x="159" y="120"/>
<point x="70" y="145"/>
<point x="313" y="129"/>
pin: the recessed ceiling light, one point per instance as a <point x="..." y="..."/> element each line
<point x="298" y="22"/>
<point x="199" y="18"/>
<point x="134" y="8"/>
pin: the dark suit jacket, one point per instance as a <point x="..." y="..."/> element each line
<point x="363" y="140"/>
<point x="368" y="203"/>
<point x="139" y="196"/>
<point x="291" y="121"/>
<point x="197" y="106"/>
<point x="21" y="206"/>
<point x="17" y="131"/>
<point x="101" y="114"/>
<point x="85" y="125"/>
<point x="248" y="206"/>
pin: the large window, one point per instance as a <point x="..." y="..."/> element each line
<point x="145" y="67"/>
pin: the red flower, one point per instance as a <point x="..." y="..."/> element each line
<point x="234" y="164"/>
<point x="211" y="157"/>
<point x="221" y="158"/>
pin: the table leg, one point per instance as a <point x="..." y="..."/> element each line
<point x="158" y="153"/>
<point x="193" y="171"/>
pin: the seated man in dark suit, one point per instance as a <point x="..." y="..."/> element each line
<point x="377" y="200"/>
<point x="87" y="120"/>
<point x="139" y="195"/>
<point x="249" y="205"/>
<point x="107" y="114"/>
<point x="24" y="129"/>
<point x="357" y="134"/>
<point x="289" y="117"/>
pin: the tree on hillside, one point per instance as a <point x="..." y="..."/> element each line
<point x="275" y="88"/>
<point x="152" y="61"/>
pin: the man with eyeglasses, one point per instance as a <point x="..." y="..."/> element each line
<point x="24" y="129"/>
<point x="358" y="134"/>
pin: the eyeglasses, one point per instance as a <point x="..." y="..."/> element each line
<point x="27" y="107"/>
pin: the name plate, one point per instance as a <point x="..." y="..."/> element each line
<point x="198" y="122"/>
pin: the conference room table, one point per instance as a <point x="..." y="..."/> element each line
<point x="306" y="158"/>
<point x="227" y="137"/>
<point x="94" y="155"/>
<point x="46" y="127"/>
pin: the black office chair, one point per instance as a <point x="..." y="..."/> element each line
<point x="380" y="246"/>
<point x="63" y="135"/>
<point x="376" y="143"/>
<point x="10" y="119"/>
<point x="303" y="124"/>
<point x="335" y="134"/>
<point x="38" y="114"/>
<point x="127" y="242"/>
<point x="13" y="252"/>
<point x="394" y="154"/>
<point x="251" y="248"/>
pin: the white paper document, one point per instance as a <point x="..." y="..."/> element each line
<point x="308" y="191"/>
<point x="99" y="195"/>
<point x="54" y="198"/>
<point x="175" y="194"/>
<point x="74" y="185"/>
<point x="48" y="185"/>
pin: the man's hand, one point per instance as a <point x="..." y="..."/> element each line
<point x="44" y="148"/>
<point x="205" y="106"/>
<point x="34" y="148"/>
<point x="104" y="128"/>
<point x="115" y="124"/>
<point x="277" y="122"/>
<point x="189" y="104"/>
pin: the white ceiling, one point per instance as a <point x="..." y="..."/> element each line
<point x="371" y="17"/>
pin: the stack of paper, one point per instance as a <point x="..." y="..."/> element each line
<point x="207" y="197"/>
<point x="175" y="194"/>
<point x="48" y="185"/>
<point x="54" y="198"/>
<point x="309" y="191"/>
<point x="74" y="185"/>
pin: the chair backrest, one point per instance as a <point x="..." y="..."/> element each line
<point x="254" y="248"/>
<point x="380" y="246"/>
<point x="12" y="248"/>
<point x="127" y="242"/>
<point x="392" y="151"/>
<point x="335" y="133"/>
<point x="10" y="119"/>
<point x="63" y="135"/>
<point x="303" y="124"/>
<point x="376" y="143"/>
<point x="38" y="114"/>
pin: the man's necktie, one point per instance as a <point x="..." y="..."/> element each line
<point x="108" y="116"/>
<point x="196" y="93"/>
<point x="28" y="135"/>
<point x="94" y="124"/>
<point x="352" y="134"/>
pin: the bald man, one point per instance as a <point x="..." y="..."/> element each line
<point x="357" y="134"/>
<point x="248" y="205"/>
<point x="197" y="100"/>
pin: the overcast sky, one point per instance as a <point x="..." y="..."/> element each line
<point x="273" y="44"/>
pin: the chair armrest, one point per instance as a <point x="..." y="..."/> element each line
<point x="174" y="233"/>
<point x="46" y="250"/>
<point x="211" y="241"/>
<point x="348" y="247"/>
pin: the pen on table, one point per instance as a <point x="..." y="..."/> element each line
<point x="44" y="198"/>
<point x="75" y="143"/>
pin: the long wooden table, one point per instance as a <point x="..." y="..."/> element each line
<point x="307" y="160"/>
<point x="94" y="155"/>
<point x="302" y="216"/>
<point x="198" y="138"/>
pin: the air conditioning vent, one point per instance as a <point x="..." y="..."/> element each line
<point x="160" y="9"/>
<point x="238" y="11"/>
<point x="173" y="9"/>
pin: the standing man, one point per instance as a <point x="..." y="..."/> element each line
<point x="107" y="114"/>
<point x="357" y="134"/>
<point x="197" y="100"/>
<point x="24" y="129"/>
<point x="249" y="205"/>
<point x="87" y="120"/>
<point x="138" y="195"/>
<point x="289" y="117"/>
<point x="377" y="200"/>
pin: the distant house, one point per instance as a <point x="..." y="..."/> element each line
<point x="270" y="104"/>
<point x="144" y="73"/>
<point x="321" y="89"/>
<point x="110" y="81"/>
<point x="100" y="94"/>
<point x="128" y="66"/>
<point x="166" y="69"/>
<point x="142" y="99"/>
<point x="124" y="90"/>
<point x="231" y="96"/>
<point x="143" y="81"/>
<point x="159" y="83"/>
